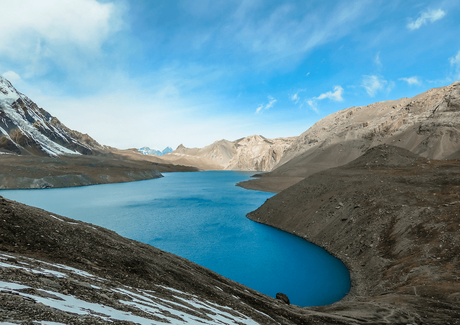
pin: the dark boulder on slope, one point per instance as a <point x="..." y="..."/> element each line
<point x="283" y="298"/>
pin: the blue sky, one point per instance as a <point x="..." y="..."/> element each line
<point x="160" y="73"/>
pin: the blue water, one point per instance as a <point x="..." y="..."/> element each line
<point x="202" y="216"/>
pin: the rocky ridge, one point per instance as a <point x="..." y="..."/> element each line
<point x="252" y="153"/>
<point x="427" y="125"/>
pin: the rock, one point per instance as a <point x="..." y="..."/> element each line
<point x="283" y="298"/>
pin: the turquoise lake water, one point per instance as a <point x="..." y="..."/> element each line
<point x="202" y="216"/>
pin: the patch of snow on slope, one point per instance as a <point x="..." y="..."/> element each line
<point x="187" y="309"/>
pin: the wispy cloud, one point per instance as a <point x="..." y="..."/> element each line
<point x="455" y="63"/>
<point x="373" y="84"/>
<point x="296" y="97"/>
<point x="270" y="104"/>
<point x="412" y="80"/>
<point x="425" y="17"/>
<point x="377" y="60"/>
<point x="287" y="32"/>
<point x="335" y="95"/>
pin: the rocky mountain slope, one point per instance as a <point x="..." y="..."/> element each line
<point x="393" y="218"/>
<point x="427" y="125"/>
<point x="255" y="153"/>
<point x="27" y="129"/>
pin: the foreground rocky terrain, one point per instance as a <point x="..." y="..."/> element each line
<point x="427" y="125"/>
<point x="254" y="152"/>
<point x="390" y="215"/>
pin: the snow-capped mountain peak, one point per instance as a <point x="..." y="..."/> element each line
<point x="26" y="128"/>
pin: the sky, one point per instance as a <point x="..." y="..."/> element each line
<point x="162" y="73"/>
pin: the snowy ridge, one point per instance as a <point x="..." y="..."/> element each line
<point x="148" y="151"/>
<point x="30" y="129"/>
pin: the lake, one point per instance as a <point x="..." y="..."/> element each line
<point x="202" y="216"/>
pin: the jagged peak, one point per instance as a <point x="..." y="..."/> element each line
<point x="7" y="90"/>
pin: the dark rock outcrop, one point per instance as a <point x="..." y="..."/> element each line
<point x="283" y="298"/>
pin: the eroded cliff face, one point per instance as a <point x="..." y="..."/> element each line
<point x="253" y="153"/>
<point x="393" y="218"/>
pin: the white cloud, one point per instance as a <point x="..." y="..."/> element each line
<point x="270" y="104"/>
<point x="296" y="98"/>
<point x="425" y="17"/>
<point x="412" y="80"/>
<point x="313" y="105"/>
<point x="374" y="84"/>
<point x="63" y="32"/>
<point x="455" y="60"/>
<point x="335" y="95"/>
<point x="12" y="76"/>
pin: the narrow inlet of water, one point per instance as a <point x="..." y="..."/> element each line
<point x="202" y="216"/>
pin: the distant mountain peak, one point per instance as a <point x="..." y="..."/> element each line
<point x="148" y="151"/>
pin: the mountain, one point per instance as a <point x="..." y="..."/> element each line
<point x="27" y="129"/>
<point x="427" y="125"/>
<point x="253" y="153"/>
<point x="148" y="151"/>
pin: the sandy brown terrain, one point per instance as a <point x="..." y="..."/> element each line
<point x="66" y="171"/>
